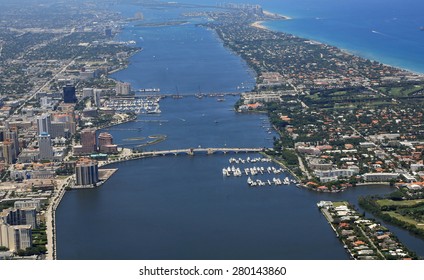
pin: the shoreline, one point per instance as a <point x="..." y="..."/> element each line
<point x="50" y="217"/>
<point x="273" y="17"/>
<point x="261" y="25"/>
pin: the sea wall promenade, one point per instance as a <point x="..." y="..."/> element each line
<point x="51" y="216"/>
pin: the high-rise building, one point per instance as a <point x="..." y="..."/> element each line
<point x="105" y="143"/>
<point x="87" y="172"/>
<point x="88" y="140"/>
<point x="44" y="123"/>
<point x="58" y="130"/>
<point x="45" y="146"/>
<point x="19" y="237"/>
<point x="8" y="152"/>
<point x="21" y="216"/>
<point x="63" y="124"/>
<point x="105" y="138"/>
<point x="10" y="146"/>
<point x="69" y="95"/>
<point x="96" y="96"/>
<point x="16" y="228"/>
<point x="123" y="88"/>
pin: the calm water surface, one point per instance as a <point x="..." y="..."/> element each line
<point x="182" y="207"/>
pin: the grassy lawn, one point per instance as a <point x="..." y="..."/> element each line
<point x="401" y="91"/>
<point x="339" y="93"/>
<point x="405" y="203"/>
<point x="413" y="89"/>
<point x="405" y="219"/>
<point x="396" y="91"/>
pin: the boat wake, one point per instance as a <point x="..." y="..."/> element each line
<point x="379" y="33"/>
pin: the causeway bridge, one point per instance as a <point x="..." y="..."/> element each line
<point x="128" y="155"/>
<point x="193" y="151"/>
<point x="182" y="95"/>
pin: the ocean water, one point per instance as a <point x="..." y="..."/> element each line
<point x="384" y="30"/>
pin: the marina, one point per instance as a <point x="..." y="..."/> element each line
<point x="147" y="105"/>
<point x="254" y="170"/>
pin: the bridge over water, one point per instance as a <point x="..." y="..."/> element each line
<point x="182" y="95"/>
<point x="128" y="155"/>
<point x="193" y="151"/>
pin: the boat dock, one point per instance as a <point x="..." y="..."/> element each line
<point x="256" y="170"/>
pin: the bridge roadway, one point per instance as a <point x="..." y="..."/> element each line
<point x="208" y="151"/>
<point x="128" y="154"/>
<point x="182" y="95"/>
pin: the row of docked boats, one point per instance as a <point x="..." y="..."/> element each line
<point x="274" y="181"/>
<point x="236" y="171"/>
<point x="138" y="106"/>
<point x="248" y="160"/>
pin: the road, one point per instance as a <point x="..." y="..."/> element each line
<point x="43" y="86"/>
<point x="303" y="168"/>
<point x="50" y="216"/>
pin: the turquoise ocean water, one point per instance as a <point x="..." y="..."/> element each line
<point x="387" y="31"/>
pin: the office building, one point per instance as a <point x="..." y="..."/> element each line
<point x="96" y="96"/>
<point x="88" y="140"/>
<point x="69" y="95"/>
<point x="10" y="146"/>
<point x="21" y="216"/>
<point x="44" y="123"/>
<point x="45" y="146"/>
<point x="123" y="88"/>
<point x="15" y="237"/>
<point x="87" y="173"/>
<point x="9" y="152"/>
<point x="63" y="124"/>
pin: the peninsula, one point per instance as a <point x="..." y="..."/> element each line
<point x="343" y="119"/>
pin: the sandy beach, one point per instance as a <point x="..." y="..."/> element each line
<point x="273" y="16"/>
<point x="277" y="16"/>
<point x="259" y="24"/>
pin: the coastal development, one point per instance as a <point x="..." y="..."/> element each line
<point x="364" y="239"/>
<point x="342" y="120"/>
